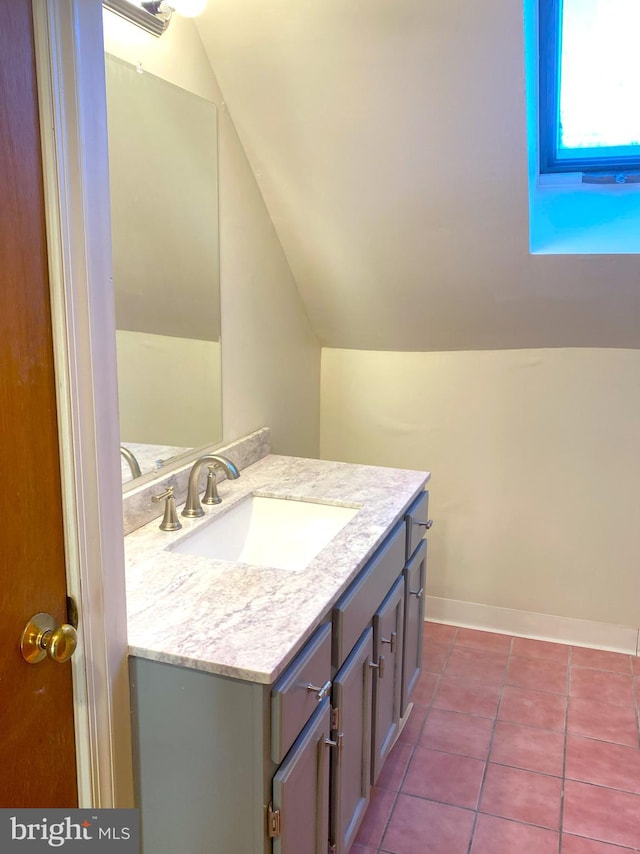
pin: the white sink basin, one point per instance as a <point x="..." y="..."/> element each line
<point x="271" y="532"/>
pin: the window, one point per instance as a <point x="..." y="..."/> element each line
<point x="589" y="86"/>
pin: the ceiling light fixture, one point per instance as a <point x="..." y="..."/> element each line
<point x="154" y="16"/>
<point x="188" y="8"/>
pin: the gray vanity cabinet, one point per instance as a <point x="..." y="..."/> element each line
<point x="414" y="573"/>
<point x="225" y="766"/>
<point x="351" y="761"/>
<point x="388" y="628"/>
<point x="202" y="769"/>
<point x="299" y="812"/>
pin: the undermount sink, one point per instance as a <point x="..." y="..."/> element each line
<point x="277" y="533"/>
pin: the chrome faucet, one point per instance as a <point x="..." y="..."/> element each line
<point x="133" y="463"/>
<point x="192" y="508"/>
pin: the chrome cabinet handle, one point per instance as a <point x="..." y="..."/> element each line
<point x="391" y="641"/>
<point x="337" y="743"/>
<point x="417" y="593"/>
<point x="379" y="666"/>
<point x="426" y="525"/>
<point x="321" y="692"/>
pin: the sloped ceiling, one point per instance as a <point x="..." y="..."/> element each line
<point x="388" y="139"/>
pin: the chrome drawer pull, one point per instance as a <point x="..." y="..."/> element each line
<point x="391" y="641"/>
<point x="417" y="593"/>
<point x="379" y="666"/>
<point x="426" y="524"/>
<point x="321" y="692"/>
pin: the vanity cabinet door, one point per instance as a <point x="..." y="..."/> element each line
<point x="296" y="695"/>
<point x="417" y="522"/>
<point x="300" y="809"/>
<point x="415" y="573"/>
<point x="388" y="630"/>
<point x="353" y="611"/>
<point x="351" y="760"/>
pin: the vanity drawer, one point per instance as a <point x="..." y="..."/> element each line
<point x="292" y="699"/>
<point x="354" y="611"/>
<point x="417" y="518"/>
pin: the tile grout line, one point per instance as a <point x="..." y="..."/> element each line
<point x="635" y="685"/>
<point x="564" y="752"/>
<point x="491" y="739"/>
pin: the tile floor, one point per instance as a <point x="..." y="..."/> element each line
<point x="514" y="746"/>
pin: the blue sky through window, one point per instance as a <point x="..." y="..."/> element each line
<point x="600" y="75"/>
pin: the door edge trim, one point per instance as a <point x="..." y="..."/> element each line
<point x="70" y="72"/>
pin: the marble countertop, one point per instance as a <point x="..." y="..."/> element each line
<point x="244" y="621"/>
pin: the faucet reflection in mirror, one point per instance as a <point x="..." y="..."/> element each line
<point x="129" y="457"/>
<point x="164" y="204"/>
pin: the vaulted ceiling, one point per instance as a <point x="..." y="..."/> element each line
<point x="388" y="138"/>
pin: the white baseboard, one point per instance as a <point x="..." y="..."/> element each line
<point x="530" y="625"/>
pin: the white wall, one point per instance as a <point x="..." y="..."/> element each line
<point x="389" y="140"/>
<point x="164" y="388"/>
<point x="535" y="468"/>
<point x="270" y="356"/>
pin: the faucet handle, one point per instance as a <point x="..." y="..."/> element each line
<point x="170" y="521"/>
<point x="168" y="493"/>
<point x="211" y="495"/>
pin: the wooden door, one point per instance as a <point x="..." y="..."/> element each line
<point x="351" y="765"/>
<point x="301" y="790"/>
<point x="37" y="753"/>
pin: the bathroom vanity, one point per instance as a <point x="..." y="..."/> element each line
<point x="265" y="700"/>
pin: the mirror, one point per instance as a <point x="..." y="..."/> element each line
<point x="164" y="219"/>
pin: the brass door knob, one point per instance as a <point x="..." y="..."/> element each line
<point x="42" y="637"/>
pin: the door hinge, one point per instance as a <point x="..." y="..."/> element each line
<point x="273" y="822"/>
<point x="335" y="718"/>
